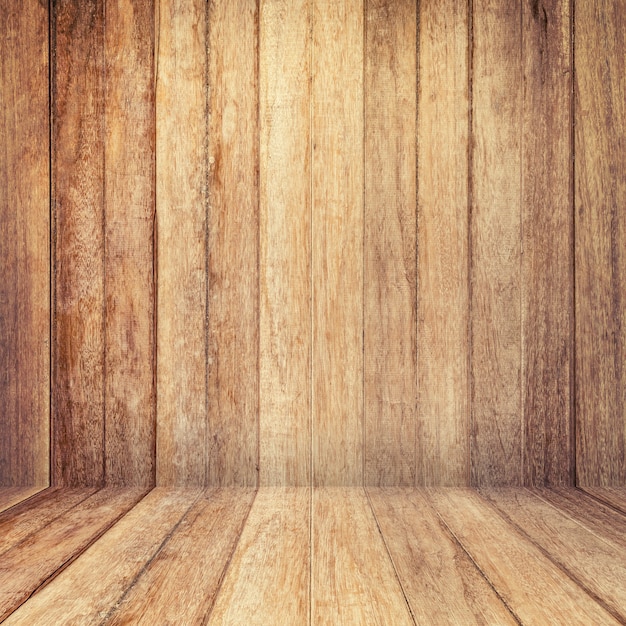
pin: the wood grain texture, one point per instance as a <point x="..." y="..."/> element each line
<point x="29" y="564"/>
<point x="89" y="588"/>
<point x="600" y="223"/>
<point x="285" y="243"/>
<point x="197" y="552"/>
<point x="78" y="255"/>
<point x="615" y="497"/>
<point x="390" y="239"/>
<point x="547" y="245"/>
<point x="597" y="564"/>
<point x="24" y="245"/>
<point x="533" y="587"/>
<point x="11" y="496"/>
<point x="443" y="286"/>
<point x="129" y="219"/>
<point x="352" y="577"/>
<point x="233" y="225"/>
<point x="337" y="242"/>
<point x="495" y="222"/>
<point x="267" y="581"/>
<point x="182" y="204"/>
<point x="32" y="515"/>
<point x="440" y="581"/>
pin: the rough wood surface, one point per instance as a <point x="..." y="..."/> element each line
<point x="11" y="496"/>
<point x="88" y="590"/>
<point x="615" y="497"/>
<point x="129" y="219"/>
<point x="597" y="564"/>
<point x="443" y="296"/>
<point x="182" y="203"/>
<point x="533" y="587"/>
<point x="233" y="228"/>
<point x="197" y="552"/>
<point x="389" y="247"/>
<point x="29" y="564"/>
<point x="285" y="243"/>
<point x="352" y="577"/>
<point x="496" y="455"/>
<point x="547" y="278"/>
<point x="78" y="253"/>
<point x="440" y="581"/>
<point x="267" y="581"/>
<point x="337" y="242"/>
<point x="24" y="245"/>
<point x="600" y="223"/>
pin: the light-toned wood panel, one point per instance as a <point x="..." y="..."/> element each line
<point x="600" y="222"/>
<point x="11" y="496"/>
<point x="533" y="587"/>
<point x="441" y="583"/>
<point x="29" y="517"/>
<point x="596" y="564"/>
<point x="267" y="581"/>
<point x="129" y="238"/>
<point x="180" y="583"/>
<point x="78" y="255"/>
<point x="547" y="277"/>
<point x="233" y="224"/>
<point x="443" y="296"/>
<point x="182" y="200"/>
<point x="615" y="497"/>
<point x="337" y="242"/>
<point x="90" y="588"/>
<point x="496" y="426"/>
<point x="24" y="245"/>
<point x="285" y="243"/>
<point x="352" y="577"/>
<point x="390" y="239"/>
<point x="29" y="564"/>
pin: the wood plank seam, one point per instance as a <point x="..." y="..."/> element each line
<point x="395" y="569"/>
<point x="458" y="541"/>
<point x="598" y="498"/>
<point x="598" y="599"/>
<point x="207" y="210"/>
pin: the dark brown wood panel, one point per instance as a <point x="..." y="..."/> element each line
<point x="129" y="243"/>
<point x="233" y="231"/>
<point x="24" y="245"/>
<point x="390" y="239"/>
<point x="78" y="254"/>
<point x="547" y="263"/>
<point x="600" y="222"/>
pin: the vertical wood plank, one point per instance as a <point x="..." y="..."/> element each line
<point x="24" y="245"/>
<point x="547" y="279"/>
<point x="285" y="243"/>
<point x="390" y="298"/>
<point x="129" y="214"/>
<point x="600" y="242"/>
<point x="181" y="175"/>
<point x="443" y="296"/>
<point x="233" y="222"/>
<point x="337" y="242"/>
<point x="78" y="174"/>
<point x="496" y="436"/>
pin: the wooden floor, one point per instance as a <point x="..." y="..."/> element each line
<point x="325" y="556"/>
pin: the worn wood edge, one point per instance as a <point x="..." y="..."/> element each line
<point x="10" y="497"/>
<point x="614" y="498"/>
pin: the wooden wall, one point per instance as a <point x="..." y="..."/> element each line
<point x="313" y="242"/>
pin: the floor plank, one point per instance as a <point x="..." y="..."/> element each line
<point x="353" y="580"/>
<point x="267" y="581"/>
<point x="535" y="589"/>
<point x="29" y="564"/>
<point x="180" y="584"/>
<point x="614" y="496"/>
<point x="30" y="516"/>
<point x="441" y="583"/>
<point x="10" y="496"/>
<point x="595" y="563"/>
<point x="86" y="591"/>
